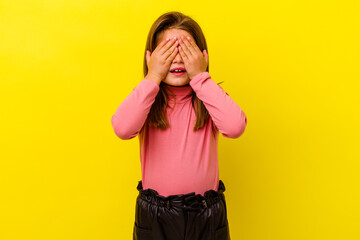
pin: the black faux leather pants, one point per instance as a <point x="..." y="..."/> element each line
<point x="181" y="217"/>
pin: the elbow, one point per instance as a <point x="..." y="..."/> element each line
<point x="239" y="128"/>
<point x="241" y="125"/>
<point x="123" y="134"/>
<point x="120" y="129"/>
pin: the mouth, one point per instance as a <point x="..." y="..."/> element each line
<point x="179" y="71"/>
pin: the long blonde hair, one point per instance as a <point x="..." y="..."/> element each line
<point x="157" y="115"/>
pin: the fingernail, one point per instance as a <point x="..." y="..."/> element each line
<point x="188" y="38"/>
<point x="167" y="39"/>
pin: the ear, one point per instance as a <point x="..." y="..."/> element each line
<point x="148" y="56"/>
<point x="206" y="57"/>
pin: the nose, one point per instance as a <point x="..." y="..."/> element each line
<point x="178" y="58"/>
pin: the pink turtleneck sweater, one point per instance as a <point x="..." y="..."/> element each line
<point x="178" y="160"/>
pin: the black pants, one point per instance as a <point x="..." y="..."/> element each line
<point x="181" y="217"/>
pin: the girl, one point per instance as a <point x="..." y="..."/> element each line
<point x="177" y="111"/>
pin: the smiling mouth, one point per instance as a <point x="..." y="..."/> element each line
<point x="178" y="73"/>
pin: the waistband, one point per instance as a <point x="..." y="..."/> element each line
<point x="189" y="201"/>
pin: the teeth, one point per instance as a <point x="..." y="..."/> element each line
<point x="176" y="70"/>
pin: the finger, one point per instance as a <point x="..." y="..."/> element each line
<point x="167" y="46"/>
<point x="181" y="49"/>
<point x="190" y="46"/>
<point x="193" y="45"/>
<point x="182" y="53"/>
<point x="168" y="53"/>
<point x="172" y="50"/>
<point x="173" y="54"/>
<point x="162" y="44"/>
<point x="185" y="45"/>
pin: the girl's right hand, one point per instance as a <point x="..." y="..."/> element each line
<point x="160" y="59"/>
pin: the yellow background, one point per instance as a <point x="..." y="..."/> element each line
<point x="292" y="66"/>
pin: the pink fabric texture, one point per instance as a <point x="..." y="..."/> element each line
<point x="178" y="160"/>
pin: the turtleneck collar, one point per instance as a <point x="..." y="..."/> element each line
<point x="182" y="93"/>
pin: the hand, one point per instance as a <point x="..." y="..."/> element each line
<point x="195" y="61"/>
<point x="160" y="59"/>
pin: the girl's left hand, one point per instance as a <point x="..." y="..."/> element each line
<point x="195" y="62"/>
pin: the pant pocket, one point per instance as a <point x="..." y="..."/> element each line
<point x="222" y="233"/>
<point x="142" y="215"/>
<point x="221" y="225"/>
<point x="140" y="233"/>
<point x="219" y="214"/>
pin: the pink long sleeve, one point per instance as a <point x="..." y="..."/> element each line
<point x="130" y="116"/>
<point x="178" y="160"/>
<point x="226" y="114"/>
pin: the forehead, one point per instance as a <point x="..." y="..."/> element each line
<point x="170" y="33"/>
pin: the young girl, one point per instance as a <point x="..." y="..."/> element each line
<point x="177" y="111"/>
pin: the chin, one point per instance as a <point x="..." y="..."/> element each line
<point x="177" y="81"/>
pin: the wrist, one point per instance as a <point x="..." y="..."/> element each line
<point x="194" y="75"/>
<point x="153" y="78"/>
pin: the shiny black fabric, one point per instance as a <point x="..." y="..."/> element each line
<point x="181" y="217"/>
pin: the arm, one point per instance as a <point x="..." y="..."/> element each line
<point x="227" y="116"/>
<point x="130" y="116"/>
